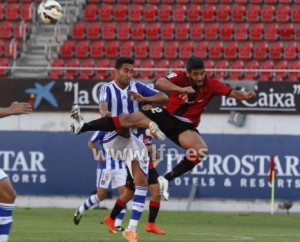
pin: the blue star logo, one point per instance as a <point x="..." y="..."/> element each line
<point x="42" y="92"/>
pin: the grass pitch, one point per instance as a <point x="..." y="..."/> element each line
<point x="53" y="225"/>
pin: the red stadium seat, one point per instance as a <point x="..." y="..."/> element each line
<point x="241" y="1"/>
<point x="167" y="31"/>
<point x="246" y="51"/>
<point x="294" y="76"/>
<point x="150" y="13"/>
<point x="276" y="51"/>
<point x="82" y="49"/>
<point x="223" y="13"/>
<point x="182" y="31"/>
<point x="5" y="63"/>
<point x="201" y="49"/>
<point x="2" y="10"/>
<point x="177" y="64"/>
<point x="2" y="44"/>
<point x="162" y="64"/>
<point x="179" y="13"/>
<point x="125" y="1"/>
<point x="231" y="51"/>
<point x="142" y="50"/>
<point x="193" y="13"/>
<point x="261" y="51"/>
<point x="219" y="75"/>
<point x="237" y="75"/>
<point x="112" y="49"/>
<point x="109" y="1"/>
<point x="135" y="13"/>
<point x="120" y="12"/>
<point x="94" y="31"/>
<point x="124" y="31"/>
<point x="271" y="31"/>
<point x="86" y="74"/>
<point x="209" y="64"/>
<point x="139" y="1"/>
<point x="197" y="1"/>
<point x="251" y="75"/>
<point x="227" y="31"/>
<point x="102" y="74"/>
<point x="197" y="32"/>
<point x="216" y="50"/>
<point x="253" y="13"/>
<point x="27" y="12"/>
<point x="153" y="31"/>
<point x="241" y="32"/>
<point x="167" y="1"/>
<point x="211" y="1"/>
<point x="295" y="13"/>
<point x="286" y="1"/>
<point x="226" y="1"/>
<point x="208" y="13"/>
<point x="67" y="49"/>
<point x="106" y="13"/>
<point x="12" y="12"/>
<point x="97" y="49"/>
<point x="74" y="72"/>
<point x="157" y="50"/>
<point x="127" y="49"/>
<point x="54" y="73"/>
<point x="186" y="50"/>
<point x="266" y="75"/>
<point x="138" y="31"/>
<point x="91" y="12"/>
<point x="182" y="1"/>
<point x="212" y="31"/>
<point x="12" y="49"/>
<point x="20" y="30"/>
<point x="147" y="74"/>
<point x="153" y="1"/>
<point x="270" y="1"/>
<point x="290" y="51"/>
<point x="283" y="13"/>
<point x="257" y="32"/>
<point x="268" y="13"/>
<point x="164" y="13"/>
<point x="279" y="75"/>
<point x="297" y="33"/>
<point x="109" y="31"/>
<point x="238" y="13"/>
<point x="79" y="31"/>
<point x="286" y="32"/>
<point x="171" y="50"/>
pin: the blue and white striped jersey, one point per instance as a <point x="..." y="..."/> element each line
<point x="109" y="163"/>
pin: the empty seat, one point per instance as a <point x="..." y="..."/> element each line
<point x="286" y="31"/>
<point x="106" y="13"/>
<point x="177" y="64"/>
<point x="91" y="12"/>
<point x="220" y="75"/>
<point x="182" y="31"/>
<point x="201" y="49"/>
<point x="241" y="32"/>
<point x="208" y="13"/>
<point x="276" y="51"/>
<point x="57" y="73"/>
<point x="82" y="49"/>
<point x="147" y="74"/>
<point x="268" y="13"/>
<point x="150" y="13"/>
<point x="120" y="12"/>
<point x="2" y="10"/>
<point x="227" y="32"/>
<point x="290" y="51"/>
<point x="179" y="13"/>
<point x="280" y="75"/>
<point x="246" y="51"/>
<point x="271" y="31"/>
<point x="293" y="75"/>
<point x="127" y="49"/>
<point x="102" y="72"/>
<point x="94" y="31"/>
<point x="209" y="64"/>
<point x="138" y="31"/>
<point x="12" y="12"/>
<point x="12" y="49"/>
<point x="6" y="30"/>
<point x="231" y="50"/>
<point x="67" y="49"/>
<point x="253" y="13"/>
<point x="167" y="31"/>
<point x="295" y="13"/>
<point x="85" y="74"/>
<point x="162" y="64"/>
<point x="223" y="13"/>
<point x="266" y="75"/>
<point x="109" y="31"/>
<point x="112" y="49"/>
<point x="186" y="50"/>
<point x="2" y="44"/>
<point x="237" y="75"/>
<point x="297" y="33"/>
<point x="283" y="13"/>
<point x="27" y="12"/>
<point x="256" y="1"/>
<point x="97" y="49"/>
<point x="135" y="13"/>
<point x="171" y="50"/>
<point x="142" y="50"/>
<point x="212" y="31"/>
<point x="257" y="32"/>
<point x="251" y="75"/>
<point x="5" y="63"/>
<point x="164" y="13"/>
<point x="261" y="51"/>
<point x="79" y="31"/>
<point x="72" y="67"/>
<point x="20" y="30"/>
<point x="193" y="13"/>
<point x="153" y="31"/>
<point x="238" y="13"/>
<point x="124" y="31"/>
<point x="157" y="50"/>
<point x="197" y="32"/>
<point x="216" y="50"/>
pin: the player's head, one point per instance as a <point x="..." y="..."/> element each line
<point x="123" y="71"/>
<point x="195" y="70"/>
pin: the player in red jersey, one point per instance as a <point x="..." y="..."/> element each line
<point x="189" y="93"/>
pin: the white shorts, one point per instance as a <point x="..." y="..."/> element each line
<point x="2" y="175"/>
<point x="128" y="149"/>
<point x="117" y="178"/>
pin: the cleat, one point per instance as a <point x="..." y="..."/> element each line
<point x="77" y="217"/>
<point x="153" y="228"/>
<point x="156" y="132"/>
<point x="164" y="186"/>
<point x="76" y="120"/>
<point x="119" y="229"/>
<point x="131" y="236"/>
<point x="110" y="224"/>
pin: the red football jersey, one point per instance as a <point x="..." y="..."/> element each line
<point x="191" y="106"/>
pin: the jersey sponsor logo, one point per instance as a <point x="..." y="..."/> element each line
<point x="172" y="74"/>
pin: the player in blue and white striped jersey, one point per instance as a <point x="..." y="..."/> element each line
<point x="109" y="171"/>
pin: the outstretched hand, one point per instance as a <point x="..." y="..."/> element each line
<point x="136" y="96"/>
<point x="250" y="95"/>
<point x="20" y="108"/>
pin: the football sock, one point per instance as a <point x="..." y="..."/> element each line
<point x="104" y="124"/>
<point x="120" y="217"/>
<point x="138" y="206"/>
<point x="119" y="206"/>
<point x="91" y="201"/>
<point x="153" y="211"/>
<point x="6" y="211"/>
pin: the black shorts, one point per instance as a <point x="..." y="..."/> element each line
<point x="168" y="123"/>
<point x="152" y="179"/>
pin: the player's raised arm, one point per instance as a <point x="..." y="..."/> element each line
<point x="242" y="95"/>
<point x="15" y="108"/>
<point x="159" y="97"/>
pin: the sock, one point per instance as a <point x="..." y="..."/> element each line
<point x="138" y="206"/>
<point x="153" y="211"/>
<point x="91" y="201"/>
<point x="6" y="211"/>
<point x="119" y="218"/>
<point x="119" y="206"/>
<point x="104" y="124"/>
<point x="182" y="167"/>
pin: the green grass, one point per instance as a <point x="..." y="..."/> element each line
<point x="44" y="225"/>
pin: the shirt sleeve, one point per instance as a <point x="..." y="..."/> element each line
<point x="220" y="89"/>
<point x="145" y="90"/>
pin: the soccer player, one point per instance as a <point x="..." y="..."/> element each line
<point x="153" y="188"/>
<point x="109" y="171"/>
<point x="189" y="93"/>
<point x="7" y="192"/>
